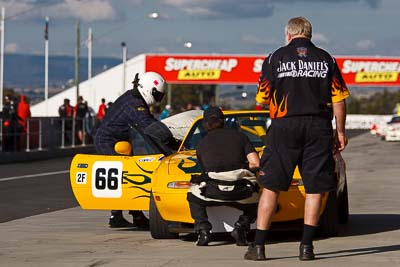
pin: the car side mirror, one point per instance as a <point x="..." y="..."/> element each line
<point x="123" y="148"/>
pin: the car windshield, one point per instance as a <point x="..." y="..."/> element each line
<point x="253" y="125"/>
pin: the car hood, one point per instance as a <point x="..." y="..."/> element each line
<point x="184" y="162"/>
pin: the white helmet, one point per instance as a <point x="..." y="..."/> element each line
<point x="151" y="86"/>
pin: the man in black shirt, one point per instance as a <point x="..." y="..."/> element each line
<point x="304" y="88"/>
<point x="223" y="154"/>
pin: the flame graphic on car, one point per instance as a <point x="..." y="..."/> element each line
<point x="131" y="179"/>
<point x="191" y="169"/>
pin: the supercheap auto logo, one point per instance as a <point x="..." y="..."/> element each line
<point x="372" y="71"/>
<point x="200" y="69"/>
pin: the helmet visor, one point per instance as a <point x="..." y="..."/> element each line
<point x="158" y="96"/>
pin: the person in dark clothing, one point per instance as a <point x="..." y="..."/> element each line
<point x="81" y="109"/>
<point x="224" y="164"/>
<point x="10" y="124"/>
<point x="65" y="111"/>
<point x="131" y="108"/>
<point x="304" y="89"/>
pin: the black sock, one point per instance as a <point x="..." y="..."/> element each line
<point x="308" y="234"/>
<point x="261" y="237"/>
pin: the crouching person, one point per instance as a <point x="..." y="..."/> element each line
<point x="227" y="158"/>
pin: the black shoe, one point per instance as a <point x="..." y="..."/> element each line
<point x="140" y="221"/>
<point x="119" y="222"/>
<point x="306" y="253"/>
<point x="204" y="238"/>
<point x="239" y="233"/>
<point x="255" y="253"/>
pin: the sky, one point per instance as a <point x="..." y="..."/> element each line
<point x="342" y="27"/>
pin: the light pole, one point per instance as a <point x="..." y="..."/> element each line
<point x="89" y="45"/>
<point x="46" y="65"/>
<point x="124" y="54"/>
<point x="2" y="57"/>
<point x="77" y="52"/>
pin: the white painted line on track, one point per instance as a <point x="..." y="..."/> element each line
<point x="31" y="175"/>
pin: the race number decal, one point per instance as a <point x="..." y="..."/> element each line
<point x="107" y="179"/>
<point x="81" y="178"/>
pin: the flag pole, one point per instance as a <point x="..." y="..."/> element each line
<point x="77" y="51"/>
<point x="2" y="28"/>
<point x="90" y="39"/>
<point x="46" y="66"/>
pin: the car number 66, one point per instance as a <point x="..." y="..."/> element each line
<point x="107" y="179"/>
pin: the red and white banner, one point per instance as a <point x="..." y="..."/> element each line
<point x="242" y="69"/>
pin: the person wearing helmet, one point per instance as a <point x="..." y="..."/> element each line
<point x="131" y="108"/>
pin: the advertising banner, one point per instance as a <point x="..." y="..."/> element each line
<point x="245" y="69"/>
<point x="364" y="71"/>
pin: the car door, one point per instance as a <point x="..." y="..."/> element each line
<point x="116" y="182"/>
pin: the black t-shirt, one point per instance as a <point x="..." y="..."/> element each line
<point x="224" y="149"/>
<point x="300" y="79"/>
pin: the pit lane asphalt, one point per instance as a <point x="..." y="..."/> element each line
<point x="75" y="237"/>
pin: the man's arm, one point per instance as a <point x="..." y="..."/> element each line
<point x="339" y="111"/>
<point x="254" y="160"/>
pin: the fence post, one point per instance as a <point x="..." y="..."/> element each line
<point x="62" y="133"/>
<point x="1" y="134"/>
<point x="73" y="133"/>
<point x="40" y="135"/>
<point x="83" y="131"/>
<point x="27" y="134"/>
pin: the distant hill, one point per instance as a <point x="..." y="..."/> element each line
<point x="27" y="71"/>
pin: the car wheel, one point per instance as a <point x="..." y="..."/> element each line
<point x="158" y="226"/>
<point x="328" y="222"/>
<point x="343" y="205"/>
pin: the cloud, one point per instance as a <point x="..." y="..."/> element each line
<point x="252" y="39"/>
<point x="246" y="9"/>
<point x="88" y="10"/>
<point x="365" y="44"/>
<point x="319" y="38"/>
<point x="92" y="10"/>
<point x="11" y="48"/>
<point x="223" y="8"/>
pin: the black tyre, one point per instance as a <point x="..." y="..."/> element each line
<point x="158" y="226"/>
<point x="343" y="205"/>
<point x="328" y="222"/>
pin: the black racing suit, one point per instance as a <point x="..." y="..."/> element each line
<point x="129" y="109"/>
<point x="300" y="82"/>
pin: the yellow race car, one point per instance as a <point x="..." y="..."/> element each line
<point x="151" y="179"/>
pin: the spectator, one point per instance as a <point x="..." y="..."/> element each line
<point x="65" y="111"/>
<point x="10" y="124"/>
<point x="101" y="111"/>
<point x="80" y="112"/>
<point x="23" y="112"/>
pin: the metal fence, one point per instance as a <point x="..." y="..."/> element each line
<point x="44" y="133"/>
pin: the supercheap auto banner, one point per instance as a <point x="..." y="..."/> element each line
<point x="243" y="69"/>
